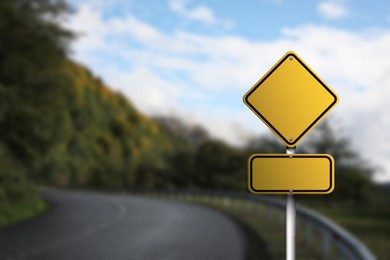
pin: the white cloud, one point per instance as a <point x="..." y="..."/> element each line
<point x="203" y="78"/>
<point x="148" y="91"/>
<point x="90" y="25"/>
<point x="199" y="13"/>
<point x="333" y="9"/>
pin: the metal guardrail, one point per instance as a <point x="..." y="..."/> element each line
<point x="349" y="246"/>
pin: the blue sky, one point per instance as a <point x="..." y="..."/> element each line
<point x="196" y="59"/>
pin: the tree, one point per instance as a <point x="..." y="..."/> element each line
<point x="32" y="50"/>
<point x="353" y="174"/>
<point x="264" y="144"/>
<point x="219" y="166"/>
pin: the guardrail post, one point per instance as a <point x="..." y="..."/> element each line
<point x="237" y="204"/>
<point x="308" y="231"/>
<point x="226" y="202"/>
<point x="345" y="253"/>
<point x="248" y="206"/>
<point x="281" y="217"/>
<point x="325" y="243"/>
<point x="270" y="214"/>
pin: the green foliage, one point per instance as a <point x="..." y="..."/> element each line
<point x="21" y="210"/>
<point x="62" y="125"/>
<point x="100" y="140"/>
<point x="32" y="48"/>
<point x="370" y="224"/>
<point x="264" y="144"/>
<point x="219" y="166"/>
<point x="59" y="125"/>
<point x="18" y="199"/>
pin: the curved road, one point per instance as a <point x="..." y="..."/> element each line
<point x="90" y="226"/>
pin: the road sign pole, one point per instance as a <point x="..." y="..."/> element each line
<point x="290" y="220"/>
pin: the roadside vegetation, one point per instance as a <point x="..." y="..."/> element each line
<point x="370" y="225"/>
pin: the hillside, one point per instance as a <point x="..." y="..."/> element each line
<point x="86" y="136"/>
<point x="59" y="124"/>
<point x="103" y="141"/>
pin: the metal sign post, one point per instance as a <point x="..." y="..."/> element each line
<point x="290" y="230"/>
<point x="290" y="220"/>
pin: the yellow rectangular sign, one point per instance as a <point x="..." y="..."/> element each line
<point x="295" y="173"/>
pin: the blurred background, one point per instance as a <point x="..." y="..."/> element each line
<point x="145" y="97"/>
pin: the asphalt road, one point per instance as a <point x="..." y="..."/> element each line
<point x="93" y="227"/>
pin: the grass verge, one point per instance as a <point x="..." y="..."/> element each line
<point x="265" y="228"/>
<point x="22" y="210"/>
<point x="370" y="225"/>
<point x="266" y="232"/>
<point x="256" y="247"/>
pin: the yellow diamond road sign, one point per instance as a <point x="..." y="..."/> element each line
<point x="290" y="99"/>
